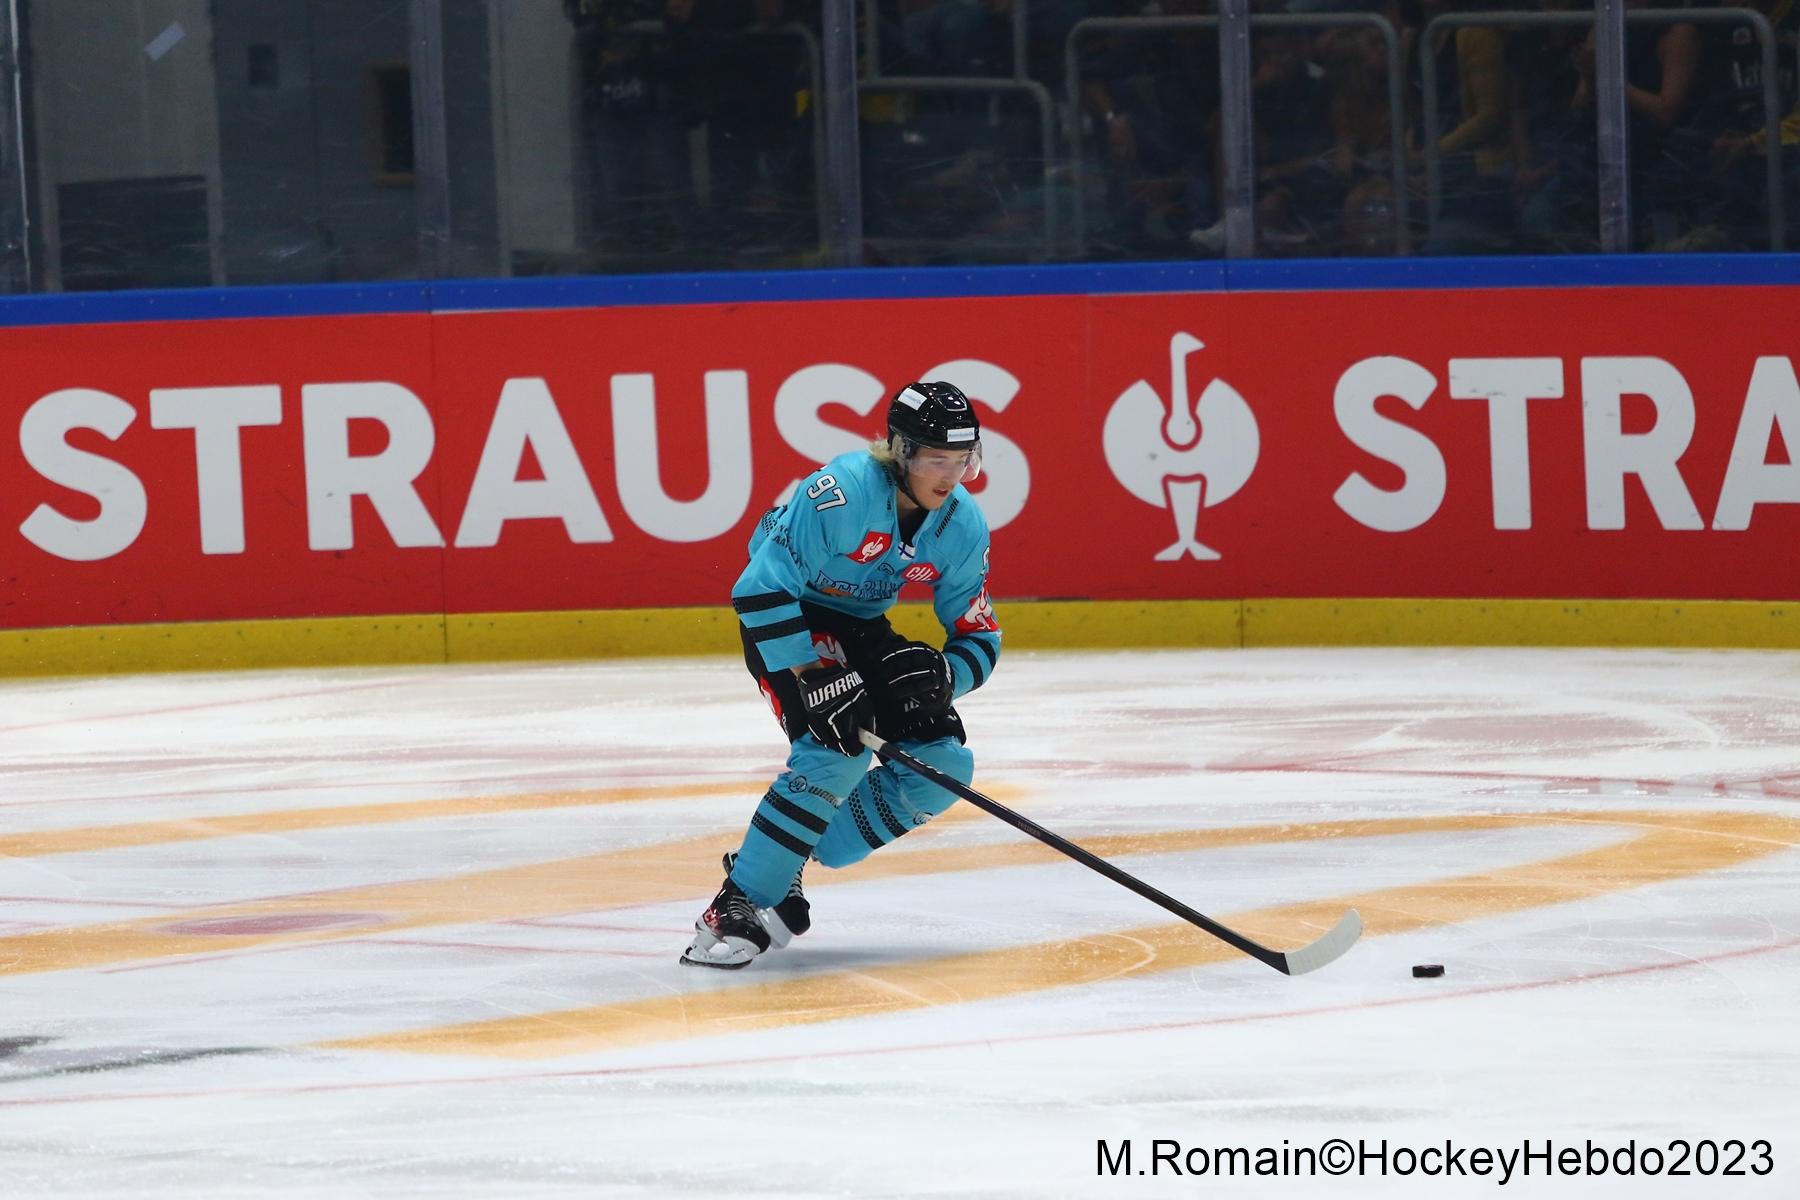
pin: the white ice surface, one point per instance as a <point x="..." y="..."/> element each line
<point x="1631" y="1013"/>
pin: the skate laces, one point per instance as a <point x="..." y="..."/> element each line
<point x="732" y="903"/>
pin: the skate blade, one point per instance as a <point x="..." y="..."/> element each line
<point x="716" y="964"/>
<point x="723" y="954"/>
<point x="779" y="933"/>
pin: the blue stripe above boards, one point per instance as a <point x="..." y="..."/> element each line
<point x="889" y="283"/>
<point x="214" y="304"/>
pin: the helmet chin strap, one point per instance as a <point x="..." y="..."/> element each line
<point x="902" y="475"/>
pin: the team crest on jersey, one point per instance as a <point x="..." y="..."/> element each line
<point x="874" y="545"/>
<point x="920" y="573"/>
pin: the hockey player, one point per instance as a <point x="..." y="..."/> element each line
<point x="823" y="570"/>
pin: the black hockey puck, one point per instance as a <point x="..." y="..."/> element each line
<point x="1428" y="970"/>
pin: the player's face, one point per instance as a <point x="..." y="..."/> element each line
<point x="934" y="473"/>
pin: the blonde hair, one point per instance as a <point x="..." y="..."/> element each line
<point x="882" y="451"/>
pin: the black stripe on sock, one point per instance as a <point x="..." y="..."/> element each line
<point x="760" y="603"/>
<point x="796" y="814"/>
<point x="780" y="629"/>
<point x="779" y="836"/>
<point x="976" y="671"/>
<point x="886" y="813"/>
<point x="863" y="827"/>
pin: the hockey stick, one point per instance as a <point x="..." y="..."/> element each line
<point x="1311" y="957"/>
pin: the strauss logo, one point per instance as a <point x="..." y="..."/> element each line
<point x="1177" y="456"/>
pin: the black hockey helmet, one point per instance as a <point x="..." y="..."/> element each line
<point x="933" y="416"/>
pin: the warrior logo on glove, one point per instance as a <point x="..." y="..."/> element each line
<point x="837" y="707"/>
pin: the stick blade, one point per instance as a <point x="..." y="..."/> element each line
<point x="1327" y="949"/>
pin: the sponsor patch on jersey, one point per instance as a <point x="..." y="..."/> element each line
<point x="874" y="545"/>
<point x="920" y="573"/>
<point x="980" y="618"/>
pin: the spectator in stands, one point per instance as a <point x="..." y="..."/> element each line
<point x="1734" y="109"/>
<point x="1298" y="197"/>
<point x="1355" y="65"/>
<point x="747" y="80"/>
<point x="1150" y="101"/>
<point x="974" y="38"/>
<point x="1663" y="68"/>
<point x="1557" y="188"/>
<point x="952" y="176"/>
<point x="1663" y="64"/>
<point x="953" y="37"/>
<point x="1474" y="213"/>
<point x="637" y="193"/>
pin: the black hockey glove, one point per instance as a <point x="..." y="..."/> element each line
<point x="837" y="705"/>
<point x="913" y="681"/>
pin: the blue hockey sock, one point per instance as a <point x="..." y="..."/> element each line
<point x="890" y="800"/>
<point x="794" y="814"/>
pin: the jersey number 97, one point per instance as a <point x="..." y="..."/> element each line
<point x="826" y="483"/>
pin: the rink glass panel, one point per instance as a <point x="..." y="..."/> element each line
<point x="180" y="143"/>
<point x="15" y="267"/>
<point x="184" y="143"/>
<point x="640" y="135"/>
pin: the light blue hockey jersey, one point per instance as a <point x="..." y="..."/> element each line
<point x="837" y="544"/>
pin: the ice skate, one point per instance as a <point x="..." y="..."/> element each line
<point x="729" y="933"/>
<point x="788" y="919"/>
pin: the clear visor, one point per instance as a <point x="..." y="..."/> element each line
<point x="961" y="465"/>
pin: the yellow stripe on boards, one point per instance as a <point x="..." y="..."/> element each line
<point x="222" y="645"/>
<point x="1771" y="625"/>
<point x="1666" y="846"/>
<point x="595" y="633"/>
<point x="1029" y="625"/>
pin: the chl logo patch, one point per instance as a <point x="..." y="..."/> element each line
<point x="874" y="545"/>
<point x="920" y="573"/>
